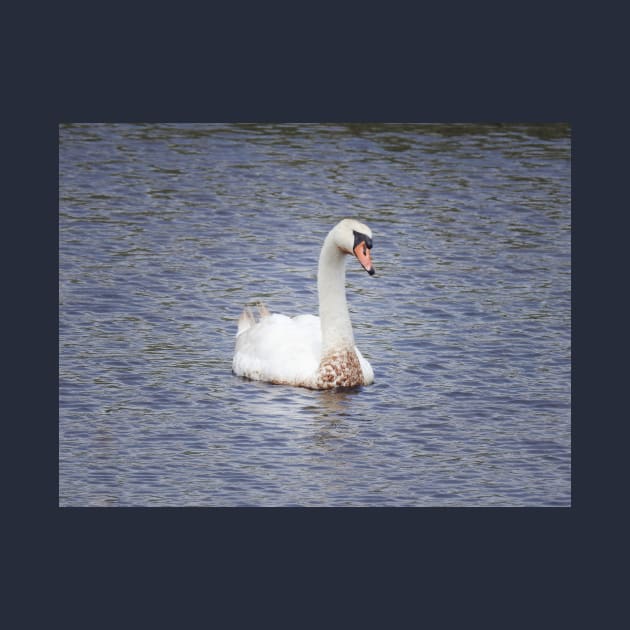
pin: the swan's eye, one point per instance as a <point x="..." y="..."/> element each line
<point x="362" y="238"/>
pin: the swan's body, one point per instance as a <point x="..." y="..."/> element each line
<point x="309" y="351"/>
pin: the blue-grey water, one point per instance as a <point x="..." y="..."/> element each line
<point x="167" y="231"/>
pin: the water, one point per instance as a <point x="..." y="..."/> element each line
<point x="167" y="231"/>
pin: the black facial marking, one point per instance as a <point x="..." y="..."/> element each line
<point x="362" y="238"/>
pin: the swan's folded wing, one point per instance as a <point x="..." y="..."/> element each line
<point x="279" y="349"/>
<point x="366" y="368"/>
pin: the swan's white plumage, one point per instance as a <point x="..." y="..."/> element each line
<point x="279" y="349"/>
<point x="305" y="350"/>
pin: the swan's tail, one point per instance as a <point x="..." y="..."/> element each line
<point x="247" y="319"/>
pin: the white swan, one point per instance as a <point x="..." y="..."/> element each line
<point x="309" y="351"/>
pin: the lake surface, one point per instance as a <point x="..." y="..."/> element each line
<point x="167" y="231"/>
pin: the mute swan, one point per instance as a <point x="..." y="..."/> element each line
<point x="309" y="351"/>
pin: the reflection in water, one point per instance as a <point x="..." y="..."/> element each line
<point x="337" y="403"/>
<point x="322" y="415"/>
<point x="331" y="417"/>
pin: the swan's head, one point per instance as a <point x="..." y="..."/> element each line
<point x="353" y="237"/>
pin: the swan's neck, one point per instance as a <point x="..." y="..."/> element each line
<point x="333" y="308"/>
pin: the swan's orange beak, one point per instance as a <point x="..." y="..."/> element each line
<point x="363" y="254"/>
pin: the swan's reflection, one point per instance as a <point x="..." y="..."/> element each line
<point x="322" y="418"/>
<point x="336" y="403"/>
<point x="331" y="424"/>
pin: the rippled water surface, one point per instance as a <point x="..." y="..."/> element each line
<point x="167" y="231"/>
